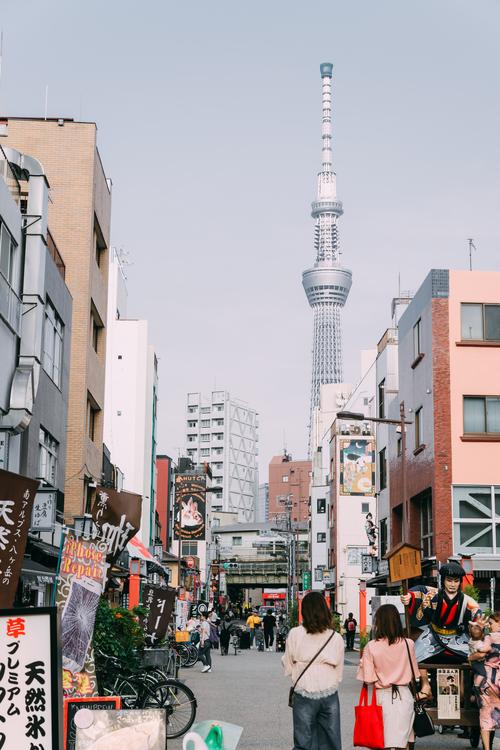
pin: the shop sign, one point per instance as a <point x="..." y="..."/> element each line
<point x="190" y="507"/>
<point x="160" y="604"/>
<point x="368" y="564"/>
<point x="30" y="679"/>
<point x="43" y="516"/>
<point x="73" y="705"/>
<point x="404" y="562"/>
<point x="448" y="693"/>
<point x="117" y="517"/>
<point x="130" y="729"/>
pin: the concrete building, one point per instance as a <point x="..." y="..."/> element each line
<point x="223" y="432"/>
<point x="163" y="498"/>
<point x="130" y="423"/>
<point x="288" y="478"/>
<point x="262" y="508"/>
<point x="79" y="219"/>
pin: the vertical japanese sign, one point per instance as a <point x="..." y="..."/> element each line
<point x="43" y="515"/>
<point x="16" y="504"/>
<point x="80" y="582"/>
<point x="117" y="516"/>
<point x="30" y="688"/>
<point x="357" y="467"/>
<point x="160" y="605"/>
<point x="190" y="507"/>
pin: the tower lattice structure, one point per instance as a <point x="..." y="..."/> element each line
<point x="327" y="283"/>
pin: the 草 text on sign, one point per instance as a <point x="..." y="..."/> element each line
<point x="30" y="680"/>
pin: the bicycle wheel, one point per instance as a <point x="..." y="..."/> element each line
<point x="179" y="702"/>
<point x="193" y="656"/>
<point x="183" y="652"/>
<point x="129" y="691"/>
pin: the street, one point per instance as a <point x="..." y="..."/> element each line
<point x="250" y="690"/>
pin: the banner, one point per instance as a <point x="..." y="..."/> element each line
<point x="80" y="581"/>
<point x="190" y="507"/>
<point x="17" y="494"/>
<point x="357" y="467"/>
<point x="30" y="679"/>
<point x="117" y="516"/>
<point x="160" y="605"/>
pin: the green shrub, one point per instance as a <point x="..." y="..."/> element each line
<point x="472" y="591"/>
<point x="293" y="617"/>
<point x="118" y="633"/>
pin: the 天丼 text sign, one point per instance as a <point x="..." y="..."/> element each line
<point x="30" y="671"/>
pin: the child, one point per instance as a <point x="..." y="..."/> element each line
<point x="478" y="644"/>
<point x="259" y="637"/>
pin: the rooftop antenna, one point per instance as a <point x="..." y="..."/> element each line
<point x="471" y="248"/>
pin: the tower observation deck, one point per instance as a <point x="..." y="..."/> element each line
<point x="328" y="282"/>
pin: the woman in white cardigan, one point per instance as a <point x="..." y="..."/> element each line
<point x="316" y="710"/>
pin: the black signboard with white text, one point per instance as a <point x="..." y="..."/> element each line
<point x="30" y="679"/>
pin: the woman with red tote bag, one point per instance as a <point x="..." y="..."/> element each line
<point x="386" y="666"/>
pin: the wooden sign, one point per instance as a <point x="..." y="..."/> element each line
<point x="404" y="562"/>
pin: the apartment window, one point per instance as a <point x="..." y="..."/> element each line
<point x="383" y="537"/>
<point x="476" y="520"/>
<point x="205" y="438"/>
<point x="192" y="409"/>
<point x="218" y="465"/>
<point x="205" y="423"/>
<point x="205" y="410"/>
<point x="284" y="479"/>
<point x="321" y="505"/>
<point x="189" y="548"/>
<point x="418" y="428"/>
<point x="218" y="422"/>
<point x="192" y="438"/>
<point x="8" y="257"/>
<point x="92" y="417"/>
<point x="99" y="244"/>
<point x="482" y="415"/>
<point x="382" y="469"/>
<point x="365" y="507"/>
<point x="426" y="529"/>
<point x="218" y="435"/>
<point x="399" y="446"/>
<point x="321" y="537"/>
<point x="218" y="495"/>
<point x="417" y="339"/>
<point x="191" y="452"/>
<point x="192" y="423"/>
<point x="53" y="334"/>
<point x="237" y="541"/>
<point x="205" y="452"/>
<point x="217" y="451"/>
<point x="218" y="480"/>
<point x="48" y="450"/>
<point x="381" y="399"/>
<point x="96" y="327"/>
<point x="480" y="322"/>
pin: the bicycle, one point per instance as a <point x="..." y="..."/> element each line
<point x="187" y="652"/>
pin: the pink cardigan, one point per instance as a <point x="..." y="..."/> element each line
<point x="387" y="665"/>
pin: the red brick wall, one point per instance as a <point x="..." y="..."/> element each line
<point x="297" y="485"/>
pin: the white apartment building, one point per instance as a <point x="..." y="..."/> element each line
<point x="222" y="431"/>
<point x="262" y="508"/>
<point x="131" y="400"/>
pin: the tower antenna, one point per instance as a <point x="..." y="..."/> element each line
<point x="471" y="248"/>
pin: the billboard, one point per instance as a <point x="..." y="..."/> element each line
<point x="190" y="507"/>
<point x="357" y="467"/>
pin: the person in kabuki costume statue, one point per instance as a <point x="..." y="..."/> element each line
<point x="443" y="615"/>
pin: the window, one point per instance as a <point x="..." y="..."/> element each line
<point x="192" y="438"/>
<point x="53" y="334"/>
<point x="480" y="322"/>
<point x="218" y="495"/>
<point x="284" y="479"/>
<point x="218" y="465"/>
<point x="217" y="451"/>
<point x="215" y="523"/>
<point x="192" y="423"/>
<point x="418" y="428"/>
<point x="318" y="574"/>
<point x="476" y="520"/>
<point x="205" y="410"/>
<point x="218" y="422"/>
<point x="48" y="450"/>
<point x="426" y="529"/>
<point x="192" y="409"/>
<point x="205" y="452"/>
<point x="218" y="435"/>
<point x="99" y="244"/>
<point x="399" y="446"/>
<point x="383" y="537"/>
<point x="205" y="438"/>
<point x="218" y="480"/>
<point x="189" y="548"/>
<point x="321" y="505"/>
<point x="92" y="417"/>
<point x="417" y="339"/>
<point x="381" y="399"/>
<point x="237" y="541"/>
<point x="8" y="257"/>
<point x="96" y="327"/>
<point x="365" y="507"/>
<point x="321" y="537"/>
<point x="382" y="469"/>
<point x="482" y="415"/>
<point x="205" y="423"/>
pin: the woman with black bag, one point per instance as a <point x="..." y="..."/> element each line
<point x="314" y="658"/>
<point x="389" y="663"/>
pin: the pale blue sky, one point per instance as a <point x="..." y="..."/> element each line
<point x="209" y="126"/>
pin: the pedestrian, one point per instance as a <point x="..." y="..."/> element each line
<point x="314" y="658"/>
<point x="389" y="663"/>
<point x="350" y="632"/>
<point x="269" y="623"/>
<point x="225" y="635"/>
<point x="259" y="637"/>
<point x="252" y="620"/>
<point x="487" y="688"/>
<point x="205" y="644"/>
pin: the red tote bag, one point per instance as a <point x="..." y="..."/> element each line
<point x="369" y="722"/>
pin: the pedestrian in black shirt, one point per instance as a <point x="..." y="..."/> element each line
<point x="350" y="632"/>
<point x="269" y="622"/>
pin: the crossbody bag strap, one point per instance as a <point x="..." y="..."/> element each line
<point x="413" y="676"/>
<point x="313" y="659"/>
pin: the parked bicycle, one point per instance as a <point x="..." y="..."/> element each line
<point x="187" y="652"/>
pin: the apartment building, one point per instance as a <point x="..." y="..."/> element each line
<point x="289" y="479"/>
<point x="79" y="219"/>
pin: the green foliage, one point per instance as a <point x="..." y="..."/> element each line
<point x="336" y="623"/>
<point x="293" y="617"/>
<point x="363" y="640"/>
<point x="118" y="633"/>
<point x="471" y="591"/>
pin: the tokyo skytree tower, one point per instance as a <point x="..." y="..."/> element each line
<point x="327" y="283"/>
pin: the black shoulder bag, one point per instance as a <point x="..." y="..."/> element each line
<point x="292" y="689"/>
<point x="422" y="723"/>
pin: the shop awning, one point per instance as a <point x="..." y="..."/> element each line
<point x="32" y="569"/>
<point x="136" y="549"/>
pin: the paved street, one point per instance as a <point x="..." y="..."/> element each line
<point x="250" y="690"/>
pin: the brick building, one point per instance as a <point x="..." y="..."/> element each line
<point x="79" y="218"/>
<point x="288" y="477"/>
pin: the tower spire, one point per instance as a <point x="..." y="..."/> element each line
<point x="327" y="283"/>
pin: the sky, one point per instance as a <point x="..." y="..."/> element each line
<point x="209" y="123"/>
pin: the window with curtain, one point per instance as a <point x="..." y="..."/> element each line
<point x="482" y="414"/>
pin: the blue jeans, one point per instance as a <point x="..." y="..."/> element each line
<point x="316" y="723"/>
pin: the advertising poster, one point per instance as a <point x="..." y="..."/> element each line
<point x="160" y="605"/>
<point x="80" y="582"/>
<point x="17" y="494"/>
<point x="135" y="729"/>
<point x="30" y="679"/>
<point x="448" y="698"/>
<point x="190" y="507"/>
<point x="72" y="705"/>
<point x="117" y="517"/>
<point x="357" y="467"/>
